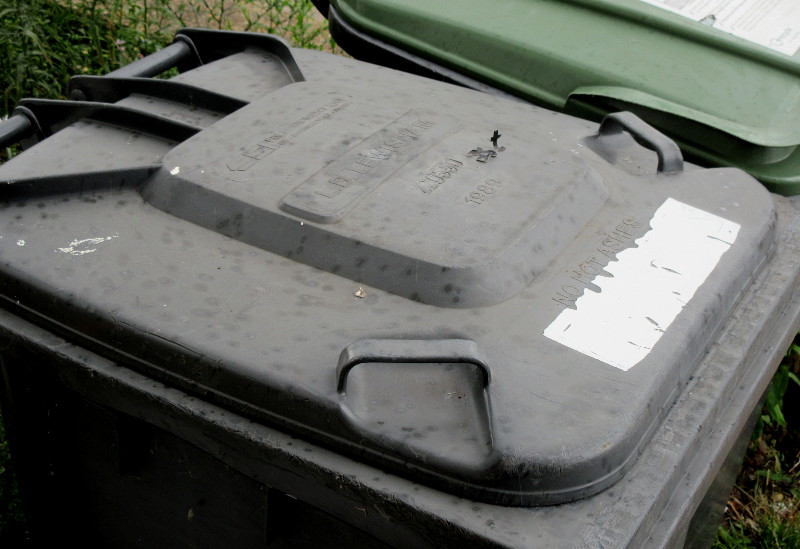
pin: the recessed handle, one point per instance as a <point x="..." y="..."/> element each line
<point x="669" y="154"/>
<point x="408" y="351"/>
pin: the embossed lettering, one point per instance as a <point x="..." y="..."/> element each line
<point x="367" y="160"/>
<point x="437" y="174"/>
<point x="568" y="295"/>
<point x="334" y="190"/>
<point x="483" y="192"/>
<point x="587" y="270"/>
<point x="278" y="138"/>
<point x="608" y="253"/>
<point x="377" y="154"/>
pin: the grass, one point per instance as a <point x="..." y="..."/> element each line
<point x="763" y="511"/>
<point x="44" y="42"/>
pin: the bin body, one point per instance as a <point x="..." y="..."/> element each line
<point x="721" y="84"/>
<point x="284" y="288"/>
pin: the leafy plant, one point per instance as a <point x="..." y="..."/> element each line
<point x="44" y="42"/>
<point x="764" y="508"/>
<point x="292" y="19"/>
<point x="773" y="402"/>
<point x="765" y="515"/>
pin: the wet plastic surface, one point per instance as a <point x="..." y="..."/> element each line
<point x="379" y="263"/>
<point x="103" y="444"/>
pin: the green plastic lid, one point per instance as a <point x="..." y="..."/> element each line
<point x="723" y="82"/>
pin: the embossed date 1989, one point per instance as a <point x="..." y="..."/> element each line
<point x="483" y="192"/>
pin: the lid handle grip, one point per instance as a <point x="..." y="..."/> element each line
<point x="179" y="51"/>
<point x="669" y="154"/>
<point x="17" y="127"/>
<point x="408" y="350"/>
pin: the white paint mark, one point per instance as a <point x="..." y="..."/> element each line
<point x="175" y="171"/>
<point x="85" y="246"/>
<point x="649" y="286"/>
<point x="20" y="242"/>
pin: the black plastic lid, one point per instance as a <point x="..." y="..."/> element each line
<point x="475" y="293"/>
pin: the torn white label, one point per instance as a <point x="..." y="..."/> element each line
<point x="649" y="286"/>
<point x="771" y="23"/>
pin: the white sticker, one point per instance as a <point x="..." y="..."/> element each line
<point x="648" y="287"/>
<point x="771" y="23"/>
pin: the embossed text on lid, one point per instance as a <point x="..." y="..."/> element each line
<point x="327" y="195"/>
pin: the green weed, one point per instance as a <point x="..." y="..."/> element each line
<point x="764" y="508"/>
<point x="763" y="512"/>
<point x="773" y="401"/>
<point x="44" y="42"/>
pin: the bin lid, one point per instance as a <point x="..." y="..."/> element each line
<point x="476" y="293"/>
<point x="722" y="78"/>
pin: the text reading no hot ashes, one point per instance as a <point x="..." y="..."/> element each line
<point x="580" y="277"/>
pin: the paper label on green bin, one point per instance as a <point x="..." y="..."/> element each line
<point x="774" y="24"/>
<point x="648" y="287"/>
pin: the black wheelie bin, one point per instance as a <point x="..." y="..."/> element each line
<point x="287" y="299"/>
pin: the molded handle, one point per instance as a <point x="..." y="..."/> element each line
<point x="15" y="129"/>
<point x="159" y="61"/>
<point x="411" y="350"/>
<point x="670" y="158"/>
